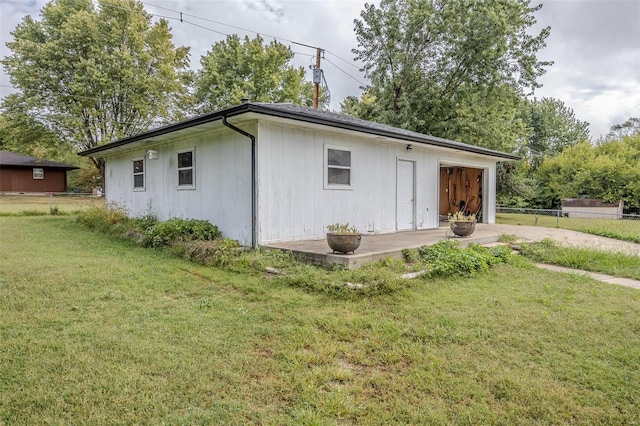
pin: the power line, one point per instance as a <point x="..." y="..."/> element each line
<point x="182" y="20"/>
<point x="344" y="60"/>
<point x="249" y="31"/>
<point x="346" y="73"/>
<point x="223" y="24"/>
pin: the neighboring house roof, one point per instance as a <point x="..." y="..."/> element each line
<point x="307" y="115"/>
<point x="12" y="159"/>
<point x="588" y="202"/>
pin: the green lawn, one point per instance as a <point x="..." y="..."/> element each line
<point x="94" y="330"/>
<point x="627" y="229"/>
<point x="611" y="263"/>
<point x="11" y="205"/>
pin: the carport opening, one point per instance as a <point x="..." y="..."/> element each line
<point x="460" y="190"/>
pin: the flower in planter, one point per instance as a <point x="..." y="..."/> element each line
<point x="340" y="228"/>
<point x="342" y="238"/>
<point x="461" y="216"/>
<point x="462" y="224"/>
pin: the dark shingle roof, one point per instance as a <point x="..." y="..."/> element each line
<point x="308" y="115"/>
<point x="8" y="158"/>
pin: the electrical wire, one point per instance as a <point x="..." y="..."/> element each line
<point x="343" y="60"/>
<point x="182" y="20"/>
<point x="222" y="23"/>
<point x="250" y="31"/>
<point x="346" y="73"/>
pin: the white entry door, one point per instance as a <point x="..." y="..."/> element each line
<point x="405" y="198"/>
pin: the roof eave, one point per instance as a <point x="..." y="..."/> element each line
<point x="298" y="116"/>
<point x="193" y="122"/>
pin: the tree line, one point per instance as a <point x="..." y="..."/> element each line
<point x="89" y="74"/>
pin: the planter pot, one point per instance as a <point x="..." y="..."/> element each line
<point x="463" y="229"/>
<point x="343" y="243"/>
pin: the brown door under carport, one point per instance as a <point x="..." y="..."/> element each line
<point x="460" y="189"/>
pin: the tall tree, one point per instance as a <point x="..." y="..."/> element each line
<point x="92" y="75"/>
<point x="235" y="69"/>
<point x="629" y="128"/>
<point x="551" y="127"/>
<point x="452" y="68"/>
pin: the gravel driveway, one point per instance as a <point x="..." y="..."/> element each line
<point x="569" y="238"/>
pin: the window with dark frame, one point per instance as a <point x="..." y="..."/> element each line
<point x="138" y="174"/>
<point x="185" y="168"/>
<point x="38" y="173"/>
<point x="338" y="167"/>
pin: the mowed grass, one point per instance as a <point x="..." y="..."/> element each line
<point x="15" y="205"/>
<point x="94" y="330"/>
<point x="625" y="229"/>
<point x="612" y="263"/>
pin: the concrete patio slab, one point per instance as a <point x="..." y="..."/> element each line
<point x="380" y="246"/>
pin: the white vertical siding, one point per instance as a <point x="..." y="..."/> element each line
<point x="222" y="193"/>
<point x="293" y="203"/>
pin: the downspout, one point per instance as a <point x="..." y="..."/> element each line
<point x="254" y="230"/>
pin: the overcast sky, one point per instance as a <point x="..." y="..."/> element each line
<point x="595" y="44"/>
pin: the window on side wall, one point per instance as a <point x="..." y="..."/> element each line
<point x="337" y="167"/>
<point x="38" y="173"/>
<point x="138" y="174"/>
<point x="186" y="169"/>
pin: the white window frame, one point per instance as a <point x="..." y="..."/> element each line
<point x="38" y="173"/>
<point x="143" y="173"/>
<point x="192" y="150"/>
<point x="326" y="167"/>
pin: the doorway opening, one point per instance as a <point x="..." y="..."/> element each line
<point x="461" y="190"/>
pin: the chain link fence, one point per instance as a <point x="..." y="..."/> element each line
<point x="47" y="203"/>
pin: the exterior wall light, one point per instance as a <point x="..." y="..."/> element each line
<point x="153" y="155"/>
<point x="409" y="147"/>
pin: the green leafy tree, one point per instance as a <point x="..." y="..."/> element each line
<point x="235" y="69"/>
<point x="362" y="107"/>
<point x="23" y="134"/>
<point x="629" y="128"/>
<point x="455" y="69"/>
<point x="608" y="171"/>
<point x="516" y="186"/>
<point x="91" y="75"/>
<point x="551" y="127"/>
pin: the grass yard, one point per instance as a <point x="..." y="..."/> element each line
<point x="36" y="205"/>
<point x="612" y="263"/>
<point x="95" y="330"/>
<point x="627" y="229"/>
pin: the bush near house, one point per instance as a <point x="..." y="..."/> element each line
<point x="446" y="258"/>
<point x="177" y="230"/>
<point x="192" y="239"/>
<point x="202" y="242"/>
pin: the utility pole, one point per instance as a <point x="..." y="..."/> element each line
<point x="317" y="76"/>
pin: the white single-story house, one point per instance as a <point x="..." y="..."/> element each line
<point x="266" y="173"/>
